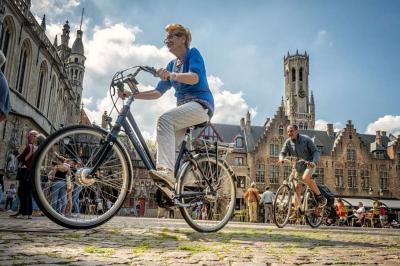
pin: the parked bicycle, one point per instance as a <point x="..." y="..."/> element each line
<point x="287" y="201"/>
<point x="102" y="171"/>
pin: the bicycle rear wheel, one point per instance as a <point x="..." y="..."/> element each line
<point x="314" y="215"/>
<point x="282" y="206"/>
<point x="210" y="212"/>
<point x="81" y="201"/>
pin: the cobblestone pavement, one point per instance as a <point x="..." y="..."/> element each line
<point x="145" y="241"/>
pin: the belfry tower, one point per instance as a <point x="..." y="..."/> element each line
<point x="298" y="100"/>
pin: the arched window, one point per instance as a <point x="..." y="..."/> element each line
<point x="301" y="74"/>
<point x="301" y="125"/>
<point x="51" y="96"/>
<point x="76" y="74"/>
<point x="76" y="60"/>
<point x="24" y="65"/>
<point x="7" y="39"/>
<point x="293" y="74"/>
<point x="41" y="93"/>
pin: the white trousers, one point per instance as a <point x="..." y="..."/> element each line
<point x="171" y="128"/>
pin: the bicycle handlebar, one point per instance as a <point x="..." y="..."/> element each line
<point x="292" y="159"/>
<point x="121" y="78"/>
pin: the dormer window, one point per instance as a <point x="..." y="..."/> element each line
<point x="380" y="155"/>
<point x="239" y="142"/>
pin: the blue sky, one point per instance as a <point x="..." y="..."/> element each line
<point x="353" y="48"/>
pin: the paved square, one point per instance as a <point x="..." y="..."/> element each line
<point x="145" y="241"/>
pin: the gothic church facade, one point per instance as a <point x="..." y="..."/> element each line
<point x="45" y="79"/>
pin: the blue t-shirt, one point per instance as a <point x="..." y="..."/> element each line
<point x="199" y="92"/>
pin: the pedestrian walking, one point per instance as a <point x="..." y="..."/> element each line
<point x="253" y="198"/>
<point x="10" y="195"/>
<point x="24" y="176"/>
<point x="267" y="198"/>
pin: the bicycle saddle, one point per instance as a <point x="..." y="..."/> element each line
<point x="200" y="125"/>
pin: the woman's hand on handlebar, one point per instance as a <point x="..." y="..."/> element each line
<point x="163" y="74"/>
<point x="124" y="94"/>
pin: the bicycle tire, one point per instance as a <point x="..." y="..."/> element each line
<point x="282" y="205"/>
<point x="314" y="215"/>
<point x="220" y="208"/>
<point x="88" y="219"/>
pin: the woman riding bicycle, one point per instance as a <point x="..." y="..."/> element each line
<point x="195" y="103"/>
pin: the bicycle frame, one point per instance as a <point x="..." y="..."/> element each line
<point x="126" y="120"/>
<point x="293" y="183"/>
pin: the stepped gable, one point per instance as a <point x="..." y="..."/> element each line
<point x="271" y="124"/>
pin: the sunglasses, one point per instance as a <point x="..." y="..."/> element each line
<point x="170" y="36"/>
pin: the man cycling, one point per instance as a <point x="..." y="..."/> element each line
<point x="302" y="147"/>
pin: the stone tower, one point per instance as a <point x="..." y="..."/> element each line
<point x="76" y="64"/>
<point x="63" y="48"/>
<point x="298" y="101"/>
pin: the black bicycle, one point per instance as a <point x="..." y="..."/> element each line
<point x="100" y="171"/>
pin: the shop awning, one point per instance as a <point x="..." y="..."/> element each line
<point x="368" y="203"/>
<point x="392" y="204"/>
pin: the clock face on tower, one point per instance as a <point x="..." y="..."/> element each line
<point x="302" y="94"/>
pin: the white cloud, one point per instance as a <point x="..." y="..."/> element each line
<point x="56" y="7"/>
<point x="388" y="123"/>
<point x="111" y="48"/>
<point x="229" y="106"/>
<point x="321" y="125"/>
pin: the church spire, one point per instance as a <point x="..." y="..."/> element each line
<point x="312" y="98"/>
<point x="43" y="24"/>
<point x="55" y="43"/>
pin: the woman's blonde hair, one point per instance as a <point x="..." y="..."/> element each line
<point x="179" y="30"/>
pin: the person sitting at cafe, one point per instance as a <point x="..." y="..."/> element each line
<point x="359" y="214"/>
<point x="341" y="211"/>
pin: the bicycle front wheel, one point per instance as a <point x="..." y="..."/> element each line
<point x="282" y="205"/>
<point x="314" y="215"/>
<point x="75" y="199"/>
<point x="207" y="210"/>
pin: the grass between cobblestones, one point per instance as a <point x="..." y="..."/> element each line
<point x="99" y="250"/>
<point x="140" y="248"/>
